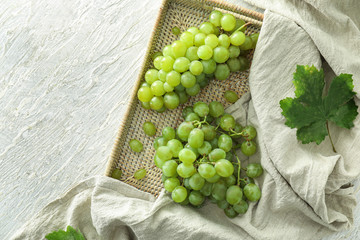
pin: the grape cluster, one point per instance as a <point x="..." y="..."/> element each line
<point x="198" y="159"/>
<point x="214" y="49"/>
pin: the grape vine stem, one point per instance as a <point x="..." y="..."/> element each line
<point x="332" y="144"/>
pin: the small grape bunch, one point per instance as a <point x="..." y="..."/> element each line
<point x="214" y="49"/>
<point x="198" y="160"/>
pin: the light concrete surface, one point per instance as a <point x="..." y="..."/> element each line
<point x="67" y="69"/>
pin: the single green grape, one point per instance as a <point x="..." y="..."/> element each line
<point x="254" y="170"/>
<point x="183" y="97"/>
<point x="196" y="181"/>
<point x="144" y="94"/>
<point x="222" y="71"/>
<point x="187" y="156"/>
<point x="224" y="40"/>
<point x="191" y="53"/>
<point x="157" y="88"/>
<point x="228" y="22"/>
<point x="219" y="191"/>
<point x="175" y="30"/>
<point x="199" y="39"/>
<point x="171" y="100"/>
<point x="234" y="51"/>
<point x="206" y="189"/>
<point x="151" y="75"/>
<point x="249" y="132"/>
<point x="164" y="153"/>
<point x="187" y="38"/>
<point x="145" y="105"/>
<point x="230" y="181"/>
<point x="211" y="40"/>
<point x="179" y="194"/>
<point x="181" y="64"/>
<point x="156" y="103"/>
<point x="234" y="194"/>
<point x="196" y="198"/>
<point x="187" y="79"/>
<point x="206" y="170"/>
<point x="237" y="38"/>
<point x="149" y="128"/>
<point x="215" y="18"/>
<point x="234" y="64"/>
<point x="205" y="52"/>
<point x="196" y="138"/>
<point x="241" y="207"/>
<point x="201" y="109"/>
<point x="227" y="122"/>
<point x="252" y="192"/>
<point x="231" y="96"/>
<point x="206" y="28"/>
<point x="216" y="109"/>
<point x="196" y="67"/>
<point x="168" y="133"/>
<point x="167" y="51"/>
<point x="116" y="173"/>
<point x="205" y="149"/>
<point x="221" y="54"/>
<point x="173" y="78"/>
<point x="214" y="143"/>
<point x="217" y="154"/>
<point x="244" y="62"/>
<point x="171" y="183"/>
<point x="162" y="75"/>
<point x="185" y="171"/>
<point x="167" y="63"/>
<point x="225" y="142"/>
<point x="178" y="49"/>
<point x="184" y="130"/>
<point x="239" y="23"/>
<point x="209" y="132"/>
<point x="209" y="66"/>
<point x="144" y="84"/>
<point x="169" y="168"/>
<point x="157" y="62"/>
<point x="248" y="148"/>
<point x="136" y="145"/>
<point x="224" y="168"/>
<point x="140" y="174"/>
<point x="194" y="90"/>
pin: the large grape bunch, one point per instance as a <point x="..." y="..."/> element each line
<point x="215" y="49"/>
<point x="199" y="160"/>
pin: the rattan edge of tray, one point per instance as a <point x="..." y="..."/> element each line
<point x="133" y="99"/>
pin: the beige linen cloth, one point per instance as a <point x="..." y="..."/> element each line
<point x="305" y="188"/>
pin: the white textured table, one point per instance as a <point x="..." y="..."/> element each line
<point x="67" y="69"/>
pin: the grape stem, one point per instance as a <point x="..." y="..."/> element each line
<point x="199" y="123"/>
<point x="332" y="144"/>
<point x="238" y="180"/>
<point x="242" y="27"/>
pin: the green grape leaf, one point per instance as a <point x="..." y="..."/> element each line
<point x="311" y="109"/>
<point x="69" y="234"/>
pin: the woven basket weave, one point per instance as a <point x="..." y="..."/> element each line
<point x="183" y="14"/>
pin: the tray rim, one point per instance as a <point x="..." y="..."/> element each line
<point x="258" y="17"/>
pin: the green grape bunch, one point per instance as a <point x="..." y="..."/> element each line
<point x="198" y="159"/>
<point x="214" y="49"/>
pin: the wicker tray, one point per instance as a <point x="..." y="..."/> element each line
<point x="183" y="14"/>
